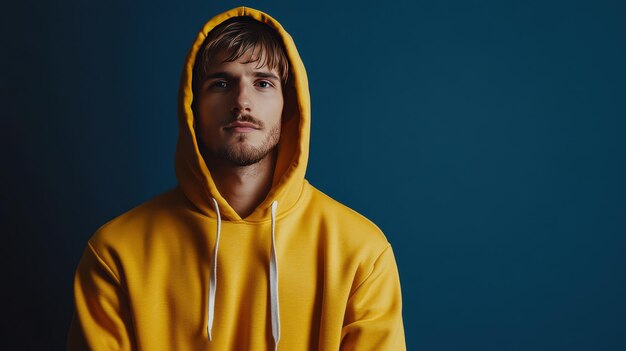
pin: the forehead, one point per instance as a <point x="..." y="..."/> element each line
<point x="253" y="59"/>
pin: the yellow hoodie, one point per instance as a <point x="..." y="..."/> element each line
<point x="302" y="272"/>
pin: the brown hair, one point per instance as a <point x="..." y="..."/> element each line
<point x="235" y="37"/>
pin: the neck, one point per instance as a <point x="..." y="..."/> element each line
<point x="243" y="187"/>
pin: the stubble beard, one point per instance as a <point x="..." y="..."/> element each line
<point x="242" y="154"/>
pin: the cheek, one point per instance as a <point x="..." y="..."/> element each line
<point x="209" y="114"/>
<point x="276" y="109"/>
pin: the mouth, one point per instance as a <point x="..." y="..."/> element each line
<point x="241" y="127"/>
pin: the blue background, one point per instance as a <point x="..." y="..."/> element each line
<point x="486" y="138"/>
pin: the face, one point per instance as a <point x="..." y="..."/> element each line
<point x="239" y="111"/>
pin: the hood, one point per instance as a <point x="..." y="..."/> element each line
<point x="192" y="172"/>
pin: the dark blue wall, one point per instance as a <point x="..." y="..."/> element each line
<point x="486" y="138"/>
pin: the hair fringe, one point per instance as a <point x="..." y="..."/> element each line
<point x="237" y="36"/>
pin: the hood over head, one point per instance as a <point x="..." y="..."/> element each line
<point x="193" y="175"/>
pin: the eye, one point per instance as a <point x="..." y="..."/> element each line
<point x="220" y="84"/>
<point x="217" y="85"/>
<point x="265" y="84"/>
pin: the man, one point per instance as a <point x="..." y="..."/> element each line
<point x="244" y="254"/>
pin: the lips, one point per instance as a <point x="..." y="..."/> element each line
<point x="240" y="124"/>
<point x="241" y="127"/>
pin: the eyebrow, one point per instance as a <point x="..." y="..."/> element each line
<point x="257" y="74"/>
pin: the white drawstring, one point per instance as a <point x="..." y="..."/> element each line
<point x="274" y="307"/>
<point x="274" y="282"/>
<point x="213" y="278"/>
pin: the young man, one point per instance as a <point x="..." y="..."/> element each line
<point x="244" y="254"/>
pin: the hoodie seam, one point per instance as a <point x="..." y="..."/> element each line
<point x="297" y="203"/>
<point x="371" y="271"/>
<point x="282" y="215"/>
<point x="104" y="264"/>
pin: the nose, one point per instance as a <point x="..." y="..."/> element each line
<point x="241" y="100"/>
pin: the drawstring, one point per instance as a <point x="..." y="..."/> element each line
<point x="274" y="307"/>
<point x="213" y="278"/>
<point x="274" y="283"/>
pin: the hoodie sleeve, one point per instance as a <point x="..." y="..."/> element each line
<point x="102" y="319"/>
<point x="373" y="318"/>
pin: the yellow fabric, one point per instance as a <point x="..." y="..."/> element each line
<point x="143" y="280"/>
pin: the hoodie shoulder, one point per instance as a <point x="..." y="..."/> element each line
<point x="132" y="227"/>
<point x="350" y="223"/>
